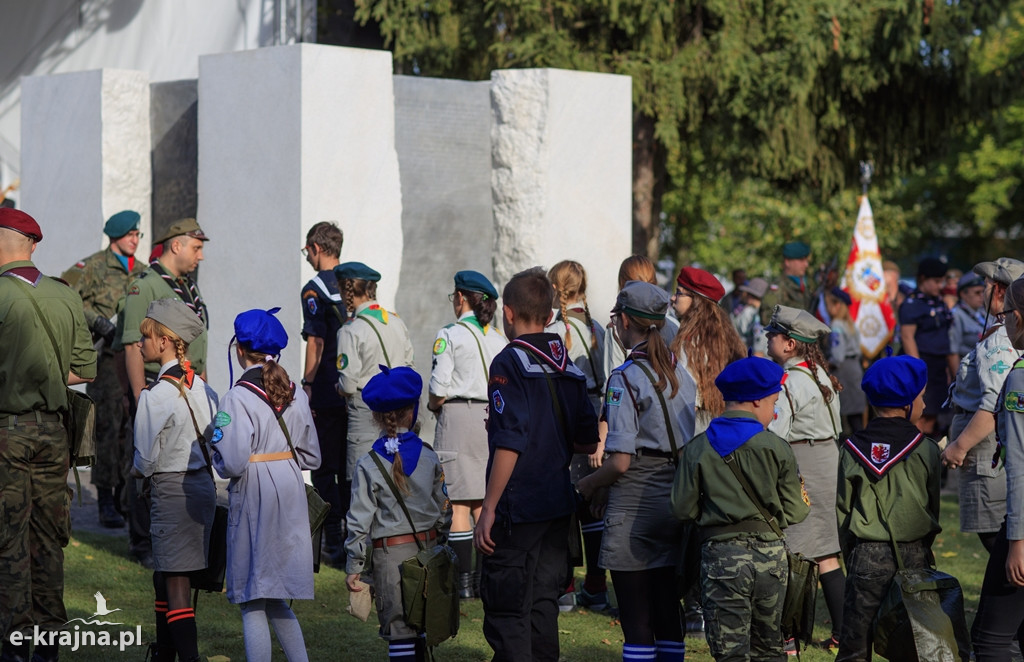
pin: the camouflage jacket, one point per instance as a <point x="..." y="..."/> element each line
<point x="101" y="281"/>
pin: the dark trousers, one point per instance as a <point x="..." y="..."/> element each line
<point x="519" y="586"/>
<point x="1001" y="608"/>
<point x="648" y="605"/>
<point x="329" y="479"/>
<point x="869" y="572"/>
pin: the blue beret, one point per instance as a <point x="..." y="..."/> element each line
<point x="838" y="293"/>
<point x="392" y="388"/>
<point x="795" y="250"/>
<point x="474" y="281"/>
<point x="749" y="379"/>
<point x="895" y="381"/>
<point x="356" y="271"/>
<point x="122" y="223"/>
<point x="260" y="331"/>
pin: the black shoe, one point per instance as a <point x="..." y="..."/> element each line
<point x="109" y="517"/>
<point x="466" y="586"/>
<point x="157" y="653"/>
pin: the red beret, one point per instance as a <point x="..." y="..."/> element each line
<point x="701" y="282"/>
<point x="19" y="221"/>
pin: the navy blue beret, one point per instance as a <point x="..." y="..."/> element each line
<point x="895" y="381"/>
<point x="749" y="379"/>
<point x="392" y="388"/>
<point x="260" y="331"/>
<point x="474" y="281"/>
<point x="122" y="223"/>
<point x="838" y="293"/>
<point x="356" y="271"/>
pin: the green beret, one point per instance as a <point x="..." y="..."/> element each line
<point x="795" y="250"/>
<point x="122" y="223"/>
<point x="474" y="281"/>
<point x="356" y="271"/>
<point x="797" y="324"/>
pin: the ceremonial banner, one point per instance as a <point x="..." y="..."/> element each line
<point x="870" y="310"/>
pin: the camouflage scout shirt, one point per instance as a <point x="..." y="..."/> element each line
<point x="101" y="280"/>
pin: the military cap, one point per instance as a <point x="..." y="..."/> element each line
<point x="122" y="223"/>
<point x="474" y="281"/>
<point x="931" y="267"/>
<point x="797" y="324"/>
<point x="642" y="299"/>
<point x="969" y="280"/>
<point x="838" y="293"/>
<point x="186" y="226"/>
<point x="177" y="317"/>
<point x="19" y="221"/>
<point x="700" y="282"/>
<point x="356" y="271"/>
<point x="795" y="250"/>
<point x="757" y="287"/>
<point x="260" y="331"/>
<point x="392" y="388"/>
<point x="1004" y="270"/>
<point x="895" y="381"/>
<point x="749" y="379"/>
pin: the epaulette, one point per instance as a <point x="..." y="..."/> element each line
<point x="448" y="326"/>
<point x="60" y="280"/>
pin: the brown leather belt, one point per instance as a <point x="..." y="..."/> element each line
<point x="404" y="540"/>
<point x="810" y="441"/>
<point x="31" y="418"/>
<point x="270" y="457"/>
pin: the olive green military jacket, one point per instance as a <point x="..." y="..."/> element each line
<point x="101" y="281"/>
<point x="31" y="378"/>
<point x="787" y="293"/>
<point x="706" y="491"/>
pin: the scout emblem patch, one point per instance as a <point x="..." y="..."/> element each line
<point x="999" y="367"/>
<point x="342" y="361"/>
<point x="222" y="419"/>
<point x="614" y="396"/>
<point x="440" y="345"/>
<point x="311" y="305"/>
<point x="498" y="402"/>
<point x="556" y="349"/>
<point x="1014" y="401"/>
<point x="218" y="434"/>
<point x="879" y="453"/>
<point x="134" y="289"/>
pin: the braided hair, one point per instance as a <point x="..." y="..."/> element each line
<point x="389" y="422"/>
<point x="356" y="287"/>
<point x="811" y="353"/>
<point x="569" y="280"/>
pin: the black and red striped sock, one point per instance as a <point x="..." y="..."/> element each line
<point x="181" y="623"/>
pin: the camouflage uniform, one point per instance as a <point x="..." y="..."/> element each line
<point x="101" y="280"/>
<point x="788" y="292"/>
<point x="34" y="497"/>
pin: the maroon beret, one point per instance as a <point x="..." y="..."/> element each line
<point x="19" y="221"/>
<point x="701" y="282"/>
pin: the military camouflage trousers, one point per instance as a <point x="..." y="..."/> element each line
<point x="35" y="525"/>
<point x="743" y="584"/>
<point x="110" y="466"/>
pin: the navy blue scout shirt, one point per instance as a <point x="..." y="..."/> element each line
<point x="522" y="418"/>
<point x="932" y="319"/>
<point x="322" y="315"/>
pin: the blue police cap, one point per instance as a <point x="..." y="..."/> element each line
<point x="474" y="281"/>
<point x="260" y="331"/>
<point x="356" y="271"/>
<point x="122" y="223"/>
<point x="838" y="293"/>
<point x="392" y="388"/>
<point x="749" y="379"/>
<point x="895" y="381"/>
<point x="795" y="250"/>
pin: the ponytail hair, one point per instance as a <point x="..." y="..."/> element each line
<point x="569" y="280"/>
<point x="275" y="379"/>
<point x="658" y="354"/>
<point x="153" y="329"/>
<point x="356" y="287"/>
<point x="483" y="309"/>
<point x="389" y="422"/>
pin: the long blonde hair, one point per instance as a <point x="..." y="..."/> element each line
<point x="569" y="280"/>
<point x="710" y="342"/>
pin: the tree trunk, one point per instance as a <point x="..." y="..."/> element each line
<point x="648" y="184"/>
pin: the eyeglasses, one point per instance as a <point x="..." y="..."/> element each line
<point x="305" y="251"/>
<point x="451" y="297"/>
<point x="683" y="293"/>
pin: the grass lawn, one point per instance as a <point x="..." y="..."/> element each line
<point x="97" y="562"/>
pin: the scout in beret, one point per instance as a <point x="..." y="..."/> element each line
<point x="388" y="523"/>
<point x="808" y="417"/>
<point x="263" y="439"/>
<point x="889" y="466"/>
<point x="794" y="287"/>
<point x="174" y="414"/>
<point x="730" y="527"/>
<point x="122" y="223"/>
<point x="459" y="372"/>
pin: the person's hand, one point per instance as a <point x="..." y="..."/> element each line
<point x="1015" y="563"/>
<point x="482" y="532"/>
<point x="953" y="455"/>
<point x="308" y="390"/>
<point x="595" y="458"/>
<point x="599" y="502"/>
<point x="352" y="582"/>
<point x="585" y="486"/>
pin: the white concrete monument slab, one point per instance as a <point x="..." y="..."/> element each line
<point x="289" y="136"/>
<point x="562" y="169"/>
<point x="85" y="155"/>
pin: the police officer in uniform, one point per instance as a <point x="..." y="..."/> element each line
<point x="167" y="278"/>
<point x="795" y="289"/>
<point x="34" y="450"/>
<point x="743" y="560"/>
<point x="968" y="315"/>
<point x="102" y="280"/>
<point x="323" y="314"/>
<point x="975" y="399"/>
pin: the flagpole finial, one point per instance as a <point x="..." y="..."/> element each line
<point x="866" y="170"/>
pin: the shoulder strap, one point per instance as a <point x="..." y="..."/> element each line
<point x="831" y="419"/>
<point x="398" y="495"/>
<point x="46" y="326"/>
<point x="379" y="338"/>
<point x="479" y="347"/>
<point x="586" y="348"/>
<point x="730" y="461"/>
<point x="279" y="415"/>
<point x="200" y="437"/>
<point x="664" y="407"/>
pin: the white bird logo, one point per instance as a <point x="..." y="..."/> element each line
<point x="101" y="606"/>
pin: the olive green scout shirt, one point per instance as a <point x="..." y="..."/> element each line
<point x="31" y="378"/>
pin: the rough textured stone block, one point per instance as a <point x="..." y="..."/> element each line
<point x="290" y="136"/>
<point x="85" y="155"/>
<point x="173" y="121"/>
<point x="562" y="171"/>
<point x="442" y="134"/>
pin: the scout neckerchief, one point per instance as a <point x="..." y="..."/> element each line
<point x="479" y="347"/>
<point x="409" y="449"/>
<point x="186" y="290"/>
<point x="378" y="313"/>
<point x="883" y="444"/>
<point x="727" y="433"/>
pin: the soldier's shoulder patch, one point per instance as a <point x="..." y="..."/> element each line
<point x="311" y="304"/>
<point x="497" y="401"/>
<point x="342" y="361"/>
<point x="80" y="265"/>
<point x="613" y="397"/>
<point x="500" y="380"/>
<point x="440" y="345"/>
<point x="1014" y="401"/>
<point x="133" y="290"/>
